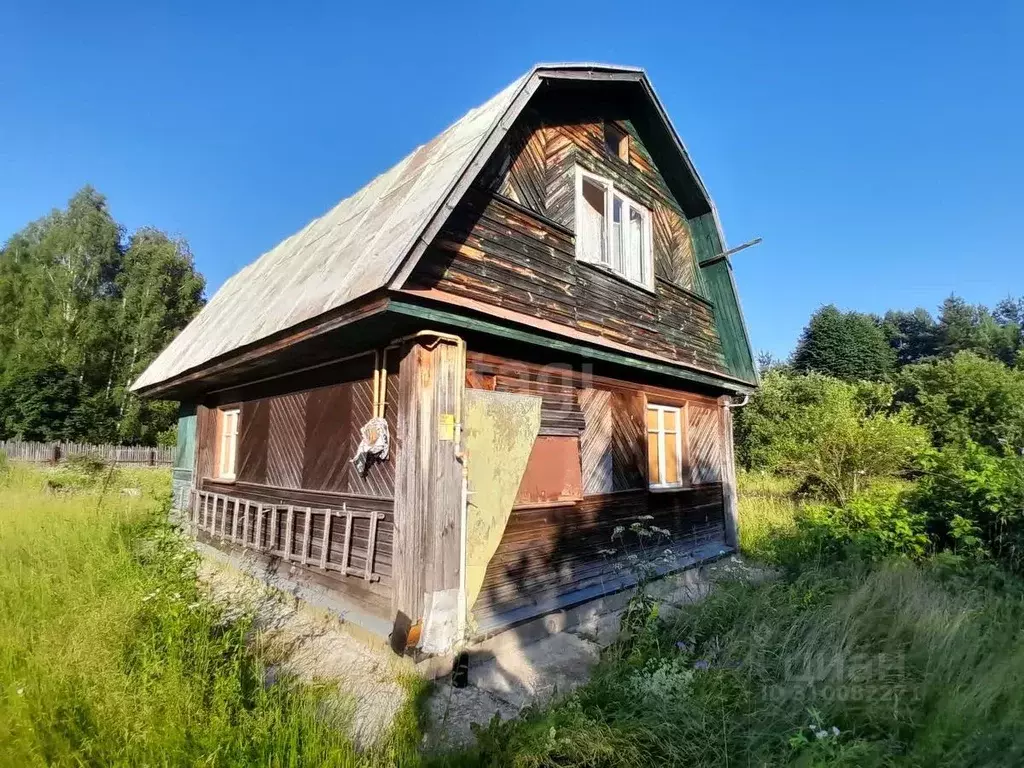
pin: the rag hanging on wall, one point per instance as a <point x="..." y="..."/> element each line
<point x="375" y="441"/>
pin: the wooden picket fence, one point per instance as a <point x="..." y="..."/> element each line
<point x="53" y="453"/>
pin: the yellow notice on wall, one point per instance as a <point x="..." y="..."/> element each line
<point x="446" y="427"/>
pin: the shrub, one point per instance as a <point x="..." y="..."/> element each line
<point x="834" y="436"/>
<point x="967" y="398"/>
<point x="973" y="502"/>
<point x="874" y="525"/>
<point x="88" y="464"/>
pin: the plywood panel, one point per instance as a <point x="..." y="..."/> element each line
<point x="326" y="463"/>
<point x="254" y="430"/>
<point x="553" y="471"/>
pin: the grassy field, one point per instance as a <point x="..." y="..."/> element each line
<point x="109" y="655"/>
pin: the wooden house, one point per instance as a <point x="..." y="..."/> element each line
<point x="537" y="311"/>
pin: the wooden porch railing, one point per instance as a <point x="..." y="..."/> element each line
<point x="276" y="530"/>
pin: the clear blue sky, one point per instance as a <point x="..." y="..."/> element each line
<point x="875" y="146"/>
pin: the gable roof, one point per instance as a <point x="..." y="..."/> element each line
<point x="374" y="238"/>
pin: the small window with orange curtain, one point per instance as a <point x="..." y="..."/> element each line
<point x="227" y="442"/>
<point x="664" y="446"/>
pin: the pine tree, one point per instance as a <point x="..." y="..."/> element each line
<point x="848" y="346"/>
<point x="913" y="336"/>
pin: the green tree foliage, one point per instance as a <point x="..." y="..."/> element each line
<point x="833" y="435"/>
<point x="913" y="336"/>
<point x="967" y="397"/>
<point x="964" y="327"/>
<point x="845" y="345"/>
<point x="82" y="312"/>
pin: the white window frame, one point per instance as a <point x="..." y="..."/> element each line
<point x="611" y="192"/>
<point x="680" y="413"/>
<point x="227" y="454"/>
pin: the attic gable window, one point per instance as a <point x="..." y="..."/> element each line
<point x="617" y="141"/>
<point x="612" y="230"/>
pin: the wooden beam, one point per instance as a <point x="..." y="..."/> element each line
<point x="437" y="315"/>
<point x="325" y="545"/>
<point x="726" y="254"/>
<point x="305" y="535"/>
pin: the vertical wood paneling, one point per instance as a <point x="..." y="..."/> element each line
<point x="596" y="442"/>
<point x="285" y="443"/>
<point x="705" y="439"/>
<point x="410" y="521"/>
<point x="446" y="490"/>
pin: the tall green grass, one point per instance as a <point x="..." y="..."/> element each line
<point x="847" y="663"/>
<point x="767" y="514"/>
<point x="111" y="655"/>
<point x="910" y="665"/>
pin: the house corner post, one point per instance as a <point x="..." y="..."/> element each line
<point x="730" y="500"/>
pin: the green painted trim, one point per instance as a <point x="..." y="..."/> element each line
<point x="721" y="288"/>
<point x="185" y="453"/>
<point x="436" y="315"/>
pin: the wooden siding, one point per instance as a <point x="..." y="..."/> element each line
<point x="285" y="440"/>
<point x="514" y="253"/>
<point x="535" y="166"/>
<point x="295" y="447"/>
<point x="612" y="444"/>
<point x="552" y="551"/>
<point x="551" y="546"/>
<point x="305" y="439"/>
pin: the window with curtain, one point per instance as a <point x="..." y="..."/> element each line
<point x="612" y="230"/>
